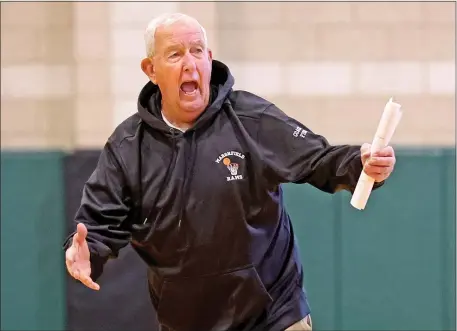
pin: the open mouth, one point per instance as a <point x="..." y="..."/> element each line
<point x="189" y="87"/>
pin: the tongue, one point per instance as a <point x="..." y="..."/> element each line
<point x="188" y="87"/>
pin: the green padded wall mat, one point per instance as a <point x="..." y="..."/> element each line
<point x="448" y="233"/>
<point x="32" y="228"/>
<point x="391" y="266"/>
<point x="313" y="217"/>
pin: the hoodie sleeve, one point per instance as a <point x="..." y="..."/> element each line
<point x="104" y="208"/>
<point x="293" y="153"/>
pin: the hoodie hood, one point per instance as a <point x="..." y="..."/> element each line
<point x="149" y="100"/>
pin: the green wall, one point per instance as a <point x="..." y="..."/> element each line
<point x="32" y="226"/>
<point x="390" y="267"/>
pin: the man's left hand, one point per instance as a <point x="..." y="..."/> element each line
<point x="380" y="165"/>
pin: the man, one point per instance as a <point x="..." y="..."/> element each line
<point x="193" y="182"/>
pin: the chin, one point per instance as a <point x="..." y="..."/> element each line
<point x="196" y="106"/>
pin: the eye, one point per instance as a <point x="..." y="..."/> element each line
<point x="172" y="55"/>
<point x="197" y="50"/>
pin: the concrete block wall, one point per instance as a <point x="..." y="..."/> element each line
<point x="37" y="75"/>
<point x="71" y="71"/>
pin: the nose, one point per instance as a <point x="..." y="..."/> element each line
<point x="189" y="64"/>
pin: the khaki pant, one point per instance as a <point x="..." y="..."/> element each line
<point x="304" y="325"/>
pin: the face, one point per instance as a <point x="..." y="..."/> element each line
<point x="181" y="67"/>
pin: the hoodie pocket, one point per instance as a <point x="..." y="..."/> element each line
<point x="212" y="303"/>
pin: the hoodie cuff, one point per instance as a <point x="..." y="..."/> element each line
<point x="378" y="185"/>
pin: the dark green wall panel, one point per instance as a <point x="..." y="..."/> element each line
<point x="391" y="252"/>
<point x="393" y="264"/>
<point x="315" y="231"/>
<point x="32" y="263"/>
<point x="448" y="233"/>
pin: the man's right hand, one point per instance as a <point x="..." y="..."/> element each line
<point x="77" y="258"/>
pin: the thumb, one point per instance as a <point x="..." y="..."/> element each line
<point x="365" y="150"/>
<point x="81" y="233"/>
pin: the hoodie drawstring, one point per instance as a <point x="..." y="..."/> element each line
<point x="145" y="225"/>
<point x="190" y="150"/>
<point x="190" y="158"/>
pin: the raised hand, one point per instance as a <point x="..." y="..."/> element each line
<point x="378" y="166"/>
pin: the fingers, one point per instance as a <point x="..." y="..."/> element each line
<point x="366" y="155"/>
<point x="79" y="271"/>
<point x="365" y="146"/>
<point x="382" y="162"/>
<point x="365" y="150"/>
<point x="86" y="280"/>
<point x="378" y="165"/>
<point x="83" y="277"/>
<point x="386" y="151"/>
<point x="375" y="171"/>
<point x="379" y="174"/>
<point x="80" y="235"/>
<point x="69" y="265"/>
<point x="70" y="259"/>
<point x="70" y="262"/>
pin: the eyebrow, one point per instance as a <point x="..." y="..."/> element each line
<point x="197" y="42"/>
<point x="176" y="45"/>
<point x="171" y="48"/>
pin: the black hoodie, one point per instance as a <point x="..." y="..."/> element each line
<point x="205" y="210"/>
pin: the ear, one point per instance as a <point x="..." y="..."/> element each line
<point x="210" y="54"/>
<point x="147" y="65"/>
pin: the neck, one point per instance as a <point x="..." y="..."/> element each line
<point x="176" y="122"/>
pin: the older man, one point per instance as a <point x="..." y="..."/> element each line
<point x="193" y="182"/>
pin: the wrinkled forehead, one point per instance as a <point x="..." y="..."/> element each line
<point x="179" y="33"/>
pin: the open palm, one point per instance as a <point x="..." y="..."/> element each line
<point x="77" y="258"/>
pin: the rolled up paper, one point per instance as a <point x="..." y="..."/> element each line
<point x="386" y="128"/>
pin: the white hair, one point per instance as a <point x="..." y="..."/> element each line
<point x="166" y="20"/>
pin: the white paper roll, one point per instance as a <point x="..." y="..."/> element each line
<point x="386" y="128"/>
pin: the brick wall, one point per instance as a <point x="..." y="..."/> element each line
<point x="71" y="71"/>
